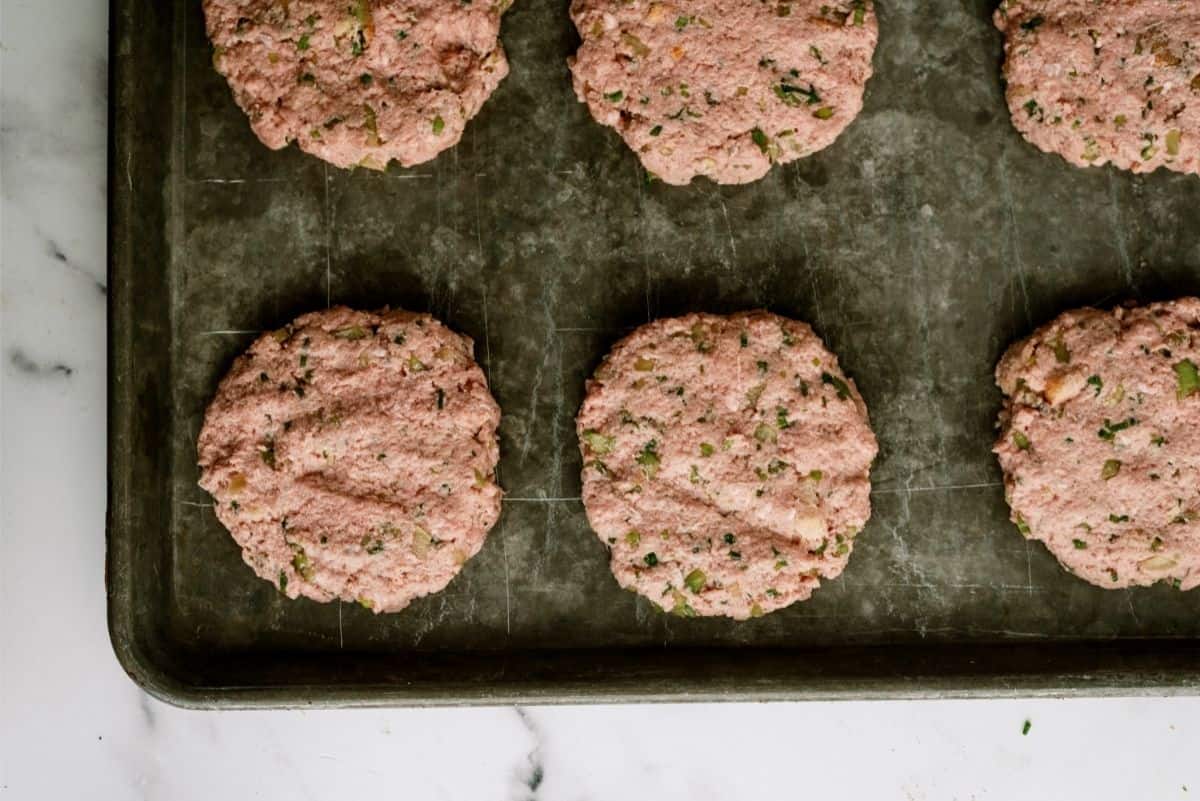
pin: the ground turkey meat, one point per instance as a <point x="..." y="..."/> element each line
<point x="1106" y="81"/>
<point x="723" y="88"/>
<point x="726" y="463"/>
<point x="359" y="82"/>
<point x="1100" y="442"/>
<point x="352" y="456"/>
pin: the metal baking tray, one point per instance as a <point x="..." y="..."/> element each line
<point x="919" y="245"/>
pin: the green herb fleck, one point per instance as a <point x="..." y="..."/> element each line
<point x="303" y="42"/>
<point x="1021" y="441"/>
<point x="706" y="450"/>
<point x="759" y="138"/>
<point x="651" y="559"/>
<point x="1096" y="382"/>
<point x="656" y="130"/>
<point x="633" y="537"/>
<point x="1110" y="469"/>
<point x="1025" y="728"/>
<point x="614" y="97"/>
<point x="649" y="459"/>
<point x="282" y="581"/>
<point x="1118" y="518"/>
<point x="843" y="389"/>
<point x="695" y="580"/>
<point x="266" y="452"/>
<point x="439" y="125"/>
<point x="1109" y="432"/>
<point x="1079" y="545"/>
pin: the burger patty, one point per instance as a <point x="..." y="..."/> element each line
<point x="723" y="88"/>
<point x="726" y="462"/>
<point x="1100" y="442"/>
<point x="1106" y="81"/>
<point x="352" y="456"/>
<point x="359" y="82"/>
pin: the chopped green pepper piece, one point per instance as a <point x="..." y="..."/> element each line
<point x="1187" y="378"/>
<point x="764" y="433"/>
<point x="301" y="564"/>
<point x="352" y="333"/>
<point x="598" y="443"/>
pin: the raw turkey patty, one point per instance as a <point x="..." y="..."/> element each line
<point x="359" y="82"/>
<point x="723" y="88"/>
<point x="1100" y="442"/>
<point x="1106" y="81"/>
<point x="352" y="456"/>
<point x="726" y="463"/>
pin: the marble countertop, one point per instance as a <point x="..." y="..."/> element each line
<point x="72" y="725"/>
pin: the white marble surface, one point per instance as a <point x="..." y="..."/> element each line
<point x="72" y="726"/>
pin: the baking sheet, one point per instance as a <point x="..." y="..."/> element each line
<point x="919" y="245"/>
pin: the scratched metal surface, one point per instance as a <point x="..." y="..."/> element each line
<point x="926" y="239"/>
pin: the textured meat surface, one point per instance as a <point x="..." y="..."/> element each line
<point x="359" y="82"/>
<point x="1106" y="81"/>
<point x="352" y="456"/>
<point x="726" y="463"/>
<point x="723" y="88"/>
<point x="1100" y="442"/>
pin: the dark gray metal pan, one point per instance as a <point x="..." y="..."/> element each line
<point x="919" y="245"/>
